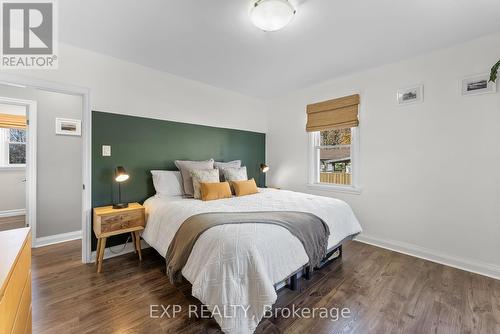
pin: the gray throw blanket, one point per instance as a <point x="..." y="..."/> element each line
<point x="312" y="232"/>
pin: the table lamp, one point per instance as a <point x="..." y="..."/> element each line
<point x="120" y="176"/>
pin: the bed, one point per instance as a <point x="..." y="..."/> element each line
<point x="237" y="267"/>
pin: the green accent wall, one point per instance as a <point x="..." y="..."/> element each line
<point x="141" y="144"/>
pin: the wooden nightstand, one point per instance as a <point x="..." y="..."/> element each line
<point x="109" y="222"/>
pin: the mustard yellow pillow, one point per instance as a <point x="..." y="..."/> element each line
<point x="242" y="188"/>
<point x="216" y="190"/>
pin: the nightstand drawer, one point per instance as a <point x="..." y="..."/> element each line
<point x="122" y="217"/>
<point x="121" y="225"/>
<point x="111" y="221"/>
<point x="122" y="221"/>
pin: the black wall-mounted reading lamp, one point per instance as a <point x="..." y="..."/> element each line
<point x="263" y="169"/>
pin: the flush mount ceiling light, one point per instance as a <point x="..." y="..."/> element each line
<point x="271" y="15"/>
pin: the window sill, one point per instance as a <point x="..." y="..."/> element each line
<point x="335" y="188"/>
<point x="12" y="168"/>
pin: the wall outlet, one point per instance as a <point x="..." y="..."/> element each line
<point x="106" y="150"/>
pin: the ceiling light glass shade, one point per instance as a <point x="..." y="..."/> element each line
<point x="271" y="15"/>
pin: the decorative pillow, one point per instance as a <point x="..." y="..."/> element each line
<point x="212" y="191"/>
<point x="235" y="174"/>
<point x="242" y="188"/>
<point x="167" y="183"/>
<point x="203" y="176"/>
<point x="222" y="165"/>
<point x="185" y="166"/>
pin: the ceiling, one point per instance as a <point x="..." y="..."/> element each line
<point x="214" y="41"/>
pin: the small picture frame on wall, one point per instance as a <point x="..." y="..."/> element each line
<point x="68" y="127"/>
<point x="477" y="85"/>
<point x="410" y="95"/>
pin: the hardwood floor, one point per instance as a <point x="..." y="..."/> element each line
<point x="9" y="223"/>
<point x="386" y="292"/>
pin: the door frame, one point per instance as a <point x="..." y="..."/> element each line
<point x="30" y="169"/>
<point x="23" y="81"/>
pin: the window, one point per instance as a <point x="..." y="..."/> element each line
<point x="333" y="157"/>
<point x="13" y="147"/>
<point x="334" y="153"/>
<point x="333" y="130"/>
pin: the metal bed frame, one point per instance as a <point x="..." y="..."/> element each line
<point x="306" y="271"/>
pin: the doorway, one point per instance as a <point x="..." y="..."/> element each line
<point x="81" y="175"/>
<point x="17" y="163"/>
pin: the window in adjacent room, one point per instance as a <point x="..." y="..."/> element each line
<point x="12" y="140"/>
<point x="333" y="131"/>
<point x="16" y="147"/>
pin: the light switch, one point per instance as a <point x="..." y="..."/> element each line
<point x="106" y="150"/>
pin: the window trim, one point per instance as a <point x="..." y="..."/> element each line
<point x="13" y="167"/>
<point x="313" y="163"/>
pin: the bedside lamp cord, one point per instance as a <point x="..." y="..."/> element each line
<point x="122" y="248"/>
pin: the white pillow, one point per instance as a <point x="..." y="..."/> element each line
<point x="167" y="183"/>
<point x="203" y="175"/>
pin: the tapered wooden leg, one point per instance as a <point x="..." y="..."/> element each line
<point x="138" y="244"/>
<point x="97" y="251"/>
<point x="101" y="254"/>
<point x="133" y="241"/>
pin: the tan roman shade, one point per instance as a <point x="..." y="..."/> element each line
<point x="333" y="114"/>
<point x="12" y="121"/>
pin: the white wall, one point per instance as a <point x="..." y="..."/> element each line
<point x="12" y="189"/>
<point x="430" y="174"/>
<point x="12" y="109"/>
<point x="126" y="88"/>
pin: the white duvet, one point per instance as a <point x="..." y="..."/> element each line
<point x="234" y="267"/>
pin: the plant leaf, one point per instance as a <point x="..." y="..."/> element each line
<point x="494" y="70"/>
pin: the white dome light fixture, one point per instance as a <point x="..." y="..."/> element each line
<point x="271" y="15"/>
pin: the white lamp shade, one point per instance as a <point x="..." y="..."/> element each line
<point x="271" y="15"/>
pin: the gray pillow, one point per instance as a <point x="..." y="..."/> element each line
<point x="222" y="165"/>
<point x="235" y="174"/>
<point x="203" y="175"/>
<point x="185" y="166"/>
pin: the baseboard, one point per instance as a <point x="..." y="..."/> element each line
<point x="477" y="267"/>
<point x="129" y="248"/>
<point x="58" y="238"/>
<point x="12" y="213"/>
